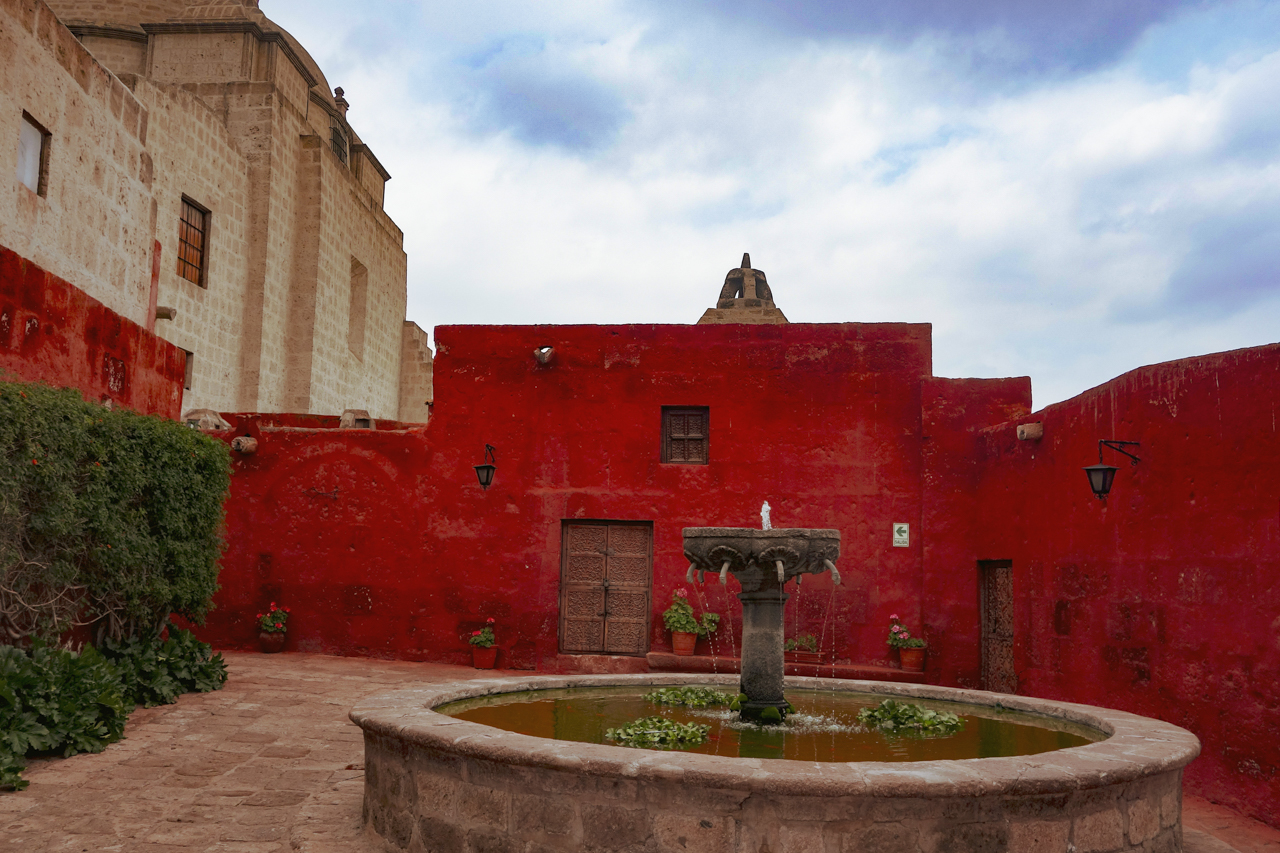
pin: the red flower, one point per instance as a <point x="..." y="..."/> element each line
<point x="35" y="461"/>
<point x="489" y="620"/>
<point x="278" y="625"/>
<point x="259" y="615"/>
<point x="475" y="633"/>
<point x="286" y="610"/>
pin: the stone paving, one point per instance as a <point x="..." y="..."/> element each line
<point x="271" y="764"/>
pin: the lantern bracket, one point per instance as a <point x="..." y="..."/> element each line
<point x="1118" y="447"/>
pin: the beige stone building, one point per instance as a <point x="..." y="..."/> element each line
<point x="189" y="161"/>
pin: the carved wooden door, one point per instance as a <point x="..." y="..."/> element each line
<point x="606" y="574"/>
<point x="998" y="671"/>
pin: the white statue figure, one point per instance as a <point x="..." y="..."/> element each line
<point x="764" y="517"/>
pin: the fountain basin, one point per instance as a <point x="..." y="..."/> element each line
<point x="434" y="782"/>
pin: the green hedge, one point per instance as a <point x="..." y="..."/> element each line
<point x="58" y="702"/>
<point x="107" y="517"/>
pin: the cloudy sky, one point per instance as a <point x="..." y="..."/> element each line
<point x="1065" y="190"/>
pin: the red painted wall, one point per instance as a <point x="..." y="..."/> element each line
<point x="390" y="547"/>
<point x="1165" y="600"/>
<point x="50" y="331"/>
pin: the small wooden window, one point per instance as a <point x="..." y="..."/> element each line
<point x="685" y="434"/>
<point x="193" y="231"/>
<point x="33" y="155"/>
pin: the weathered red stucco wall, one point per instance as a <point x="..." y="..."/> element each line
<point x="50" y="331"/>
<point x="386" y="544"/>
<point x="1165" y="600"/>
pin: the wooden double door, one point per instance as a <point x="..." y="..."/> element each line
<point x="606" y="587"/>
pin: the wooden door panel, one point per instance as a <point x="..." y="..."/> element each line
<point x="606" y="588"/>
<point x="998" y="671"/>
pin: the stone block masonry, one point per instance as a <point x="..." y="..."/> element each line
<point x="93" y="224"/>
<point x="437" y="783"/>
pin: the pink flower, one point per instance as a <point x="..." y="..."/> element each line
<point x="682" y="592"/>
<point x="489" y="620"/>
<point x="893" y="617"/>
<point x="475" y="633"/>
<point x="278" y="625"/>
<point x="286" y="610"/>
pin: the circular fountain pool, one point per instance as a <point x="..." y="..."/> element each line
<point x="438" y="782"/>
<point x="823" y="727"/>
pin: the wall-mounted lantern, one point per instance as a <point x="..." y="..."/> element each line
<point x="485" y="472"/>
<point x="1102" y="476"/>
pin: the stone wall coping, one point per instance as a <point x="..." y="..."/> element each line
<point x="1136" y="746"/>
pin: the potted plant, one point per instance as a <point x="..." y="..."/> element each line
<point x="910" y="649"/>
<point x="803" y="648"/>
<point x="271" y="628"/>
<point x="685" y="628"/>
<point x="484" y="654"/>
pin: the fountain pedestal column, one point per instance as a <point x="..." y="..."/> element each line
<point x="762" y="561"/>
<point x="763" y="661"/>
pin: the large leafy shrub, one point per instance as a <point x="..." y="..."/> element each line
<point x="55" y="701"/>
<point x="106" y="517"/>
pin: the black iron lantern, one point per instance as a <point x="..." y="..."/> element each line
<point x="1101" y="476"/>
<point x="485" y="472"/>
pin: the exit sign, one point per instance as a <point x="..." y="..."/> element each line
<point x="902" y="536"/>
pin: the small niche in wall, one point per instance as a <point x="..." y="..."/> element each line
<point x="358" y="309"/>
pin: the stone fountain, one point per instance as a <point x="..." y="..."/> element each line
<point x="763" y="561"/>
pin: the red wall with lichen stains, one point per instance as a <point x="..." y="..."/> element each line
<point x="387" y="546"/>
<point x="50" y="331"/>
<point x="1165" y="599"/>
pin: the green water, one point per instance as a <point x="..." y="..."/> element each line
<point x="824" y="728"/>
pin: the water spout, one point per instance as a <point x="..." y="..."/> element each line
<point x="765" y="524"/>
<point x="688" y="576"/>
<point x="835" y="573"/>
<point x="782" y="575"/>
<point x="724" y="573"/>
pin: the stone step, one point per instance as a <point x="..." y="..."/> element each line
<point x="669" y="662"/>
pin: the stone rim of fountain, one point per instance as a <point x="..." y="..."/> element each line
<point x="1136" y="746"/>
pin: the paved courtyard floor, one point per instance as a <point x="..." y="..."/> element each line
<point x="271" y="764"/>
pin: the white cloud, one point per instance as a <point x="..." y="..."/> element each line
<point x="1070" y="228"/>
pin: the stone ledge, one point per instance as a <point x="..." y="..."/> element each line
<point x="668" y="662"/>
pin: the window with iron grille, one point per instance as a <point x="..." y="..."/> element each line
<point x="193" y="230"/>
<point x="338" y="141"/>
<point x="685" y="434"/>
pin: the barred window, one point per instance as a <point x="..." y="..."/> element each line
<point x="192" y="245"/>
<point x="338" y="141"/>
<point x="685" y="433"/>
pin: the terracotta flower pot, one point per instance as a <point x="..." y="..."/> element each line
<point x="682" y="642"/>
<point x="798" y="656"/>
<point x="271" y="641"/>
<point x="482" y="658"/>
<point x="912" y="660"/>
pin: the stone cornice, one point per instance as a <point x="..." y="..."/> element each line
<point x="168" y="27"/>
<point x="362" y="149"/>
<point x="83" y="29"/>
